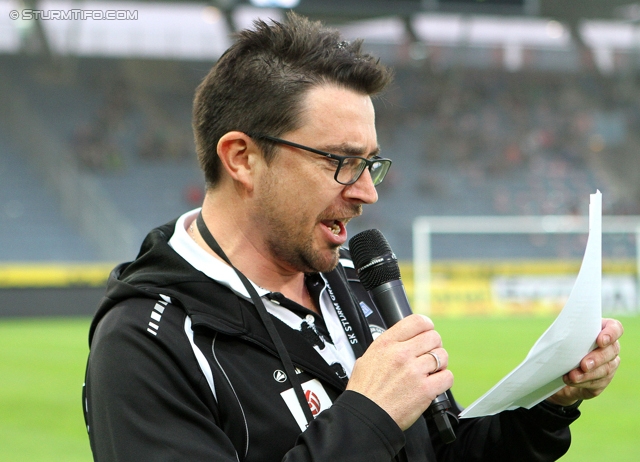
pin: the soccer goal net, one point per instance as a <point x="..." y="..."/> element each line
<point x="496" y="280"/>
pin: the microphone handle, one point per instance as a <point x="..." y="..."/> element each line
<point x="391" y="300"/>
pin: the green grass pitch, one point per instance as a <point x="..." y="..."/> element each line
<point x="483" y="350"/>
<point x="42" y="367"/>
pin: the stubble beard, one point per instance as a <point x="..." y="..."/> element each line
<point x="291" y="241"/>
<point x="299" y="253"/>
<point x="311" y="262"/>
<point x="294" y="244"/>
<point x="298" y="249"/>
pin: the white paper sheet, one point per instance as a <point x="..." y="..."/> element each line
<point x="561" y="348"/>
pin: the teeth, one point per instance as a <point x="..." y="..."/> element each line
<point x="335" y="229"/>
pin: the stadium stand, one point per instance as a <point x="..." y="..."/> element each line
<point x="487" y="142"/>
<point x="465" y="141"/>
<point x="31" y="225"/>
<point x="94" y="117"/>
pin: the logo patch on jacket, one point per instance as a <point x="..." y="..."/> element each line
<point x="279" y="376"/>
<point x="317" y="399"/>
<point x="366" y="310"/>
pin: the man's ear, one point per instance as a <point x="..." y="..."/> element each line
<point x="239" y="155"/>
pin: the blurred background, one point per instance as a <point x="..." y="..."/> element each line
<point x="500" y="108"/>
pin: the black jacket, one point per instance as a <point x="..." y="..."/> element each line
<point x="182" y="368"/>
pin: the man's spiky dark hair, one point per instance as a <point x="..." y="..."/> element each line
<point x="258" y="84"/>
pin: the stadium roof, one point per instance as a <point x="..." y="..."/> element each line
<point x="348" y="10"/>
<point x="188" y="29"/>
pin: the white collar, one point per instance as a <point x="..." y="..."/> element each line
<point x="219" y="271"/>
<point x="204" y="262"/>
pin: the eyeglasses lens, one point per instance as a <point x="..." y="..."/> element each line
<point x="351" y="168"/>
<point x="379" y="171"/>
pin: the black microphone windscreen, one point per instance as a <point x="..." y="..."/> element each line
<point x="373" y="259"/>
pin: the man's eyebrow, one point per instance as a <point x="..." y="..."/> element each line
<point x="350" y="150"/>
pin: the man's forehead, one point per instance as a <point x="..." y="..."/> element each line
<point x="341" y="118"/>
<point x="333" y="95"/>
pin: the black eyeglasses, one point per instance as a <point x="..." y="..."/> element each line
<point x="349" y="168"/>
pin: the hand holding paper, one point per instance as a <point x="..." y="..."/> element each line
<point x="596" y="370"/>
<point x="565" y="343"/>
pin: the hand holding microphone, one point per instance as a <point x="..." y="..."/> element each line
<point x="411" y="359"/>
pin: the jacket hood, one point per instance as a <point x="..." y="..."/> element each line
<point x="159" y="270"/>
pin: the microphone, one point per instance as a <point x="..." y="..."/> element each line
<point x="377" y="267"/>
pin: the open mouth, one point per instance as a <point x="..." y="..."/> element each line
<point x="335" y="226"/>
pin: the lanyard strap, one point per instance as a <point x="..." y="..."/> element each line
<point x="353" y="322"/>
<point x="266" y="320"/>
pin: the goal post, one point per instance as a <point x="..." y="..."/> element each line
<point x="424" y="227"/>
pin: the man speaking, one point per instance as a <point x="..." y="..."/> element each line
<point x="241" y="331"/>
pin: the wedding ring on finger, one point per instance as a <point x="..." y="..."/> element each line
<point x="435" y="356"/>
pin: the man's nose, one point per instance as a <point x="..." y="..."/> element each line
<point x="363" y="189"/>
